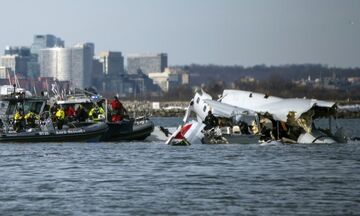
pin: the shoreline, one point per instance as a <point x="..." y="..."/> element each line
<point x="178" y="109"/>
<point x="156" y="109"/>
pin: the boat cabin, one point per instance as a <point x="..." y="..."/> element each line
<point x="13" y="103"/>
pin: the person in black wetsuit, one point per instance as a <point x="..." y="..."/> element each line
<point x="81" y="114"/>
<point x="210" y="121"/>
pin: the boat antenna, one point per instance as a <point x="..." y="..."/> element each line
<point x="16" y="80"/>
<point x="63" y="93"/>
<point x="33" y="85"/>
<point x="47" y="85"/>
<point x="9" y="77"/>
<point x="35" y="90"/>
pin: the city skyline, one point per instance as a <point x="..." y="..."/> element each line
<point x="203" y="32"/>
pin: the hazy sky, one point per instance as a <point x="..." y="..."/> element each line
<point x="227" y="32"/>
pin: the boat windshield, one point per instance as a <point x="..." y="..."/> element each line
<point x="3" y="107"/>
<point x="33" y="106"/>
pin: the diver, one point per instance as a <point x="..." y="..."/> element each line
<point x="244" y="127"/>
<point x="210" y="121"/>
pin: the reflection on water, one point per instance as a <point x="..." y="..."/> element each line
<point x="152" y="178"/>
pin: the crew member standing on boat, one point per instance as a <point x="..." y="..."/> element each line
<point x="53" y="111"/>
<point x="19" y="120"/>
<point x="54" y="108"/>
<point x="118" y="110"/>
<point x="60" y="117"/>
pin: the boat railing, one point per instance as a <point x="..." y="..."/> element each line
<point x="45" y="118"/>
<point x="72" y="124"/>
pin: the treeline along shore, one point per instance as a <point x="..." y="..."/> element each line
<point x="178" y="109"/>
<point x="306" y="80"/>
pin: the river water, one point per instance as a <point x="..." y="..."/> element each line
<point x="151" y="178"/>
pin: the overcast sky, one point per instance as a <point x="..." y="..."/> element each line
<point x="227" y="32"/>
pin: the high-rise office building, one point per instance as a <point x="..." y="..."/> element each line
<point x="16" y="59"/>
<point x="146" y="63"/>
<point x="15" y="63"/>
<point x="68" y="64"/>
<point x="97" y="75"/>
<point x="17" y="50"/>
<point x="45" y="41"/>
<point x="113" y="63"/>
<point x="41" y="42"/>
<point x="48" y="62"/>
<point x="108" y="71"/>
<point x="4" y="72"/>
<point x="82" y="59"/>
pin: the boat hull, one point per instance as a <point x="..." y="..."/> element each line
<point x="128" y="130"/>
<point x="88" y="133"/>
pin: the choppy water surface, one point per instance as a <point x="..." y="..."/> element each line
<point x="152" y="178"/>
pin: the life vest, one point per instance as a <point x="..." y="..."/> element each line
<point x="116" y="118"/>
<point x="30" y="115"/>
<point x="116" y="105"/>
<point x="70" y="112"/>
<point x="97" y="113"/>
<point x="60" y="114"/>
<point x="18" y="116"/>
